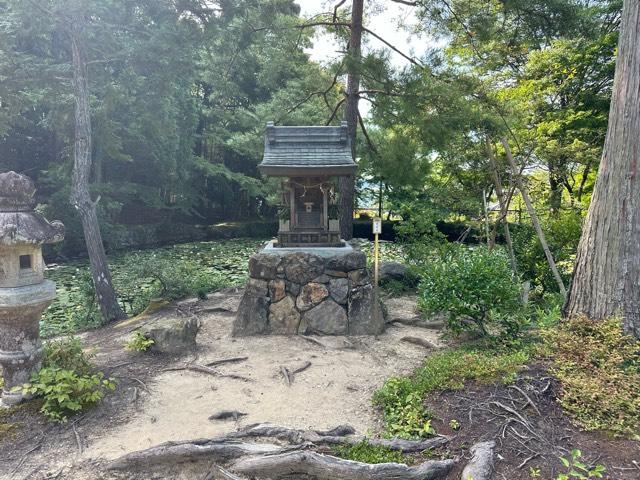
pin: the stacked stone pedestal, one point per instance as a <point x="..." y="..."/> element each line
<point x="20" y="345"/>
<point x="324" y="291"/>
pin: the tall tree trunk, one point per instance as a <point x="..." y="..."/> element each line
<point x="534" y="218"/>
<point x="347" y="184"/>
<point x="607" y="269"/>
<point x="504" y="205"/>
<point x="80" y="197"/>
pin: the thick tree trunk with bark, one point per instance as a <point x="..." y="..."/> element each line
<point x="606" y="277"/>
<point x="347" y="184"/>
<point x="80" y="197"/>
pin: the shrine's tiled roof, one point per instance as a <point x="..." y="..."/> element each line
<point x="301" y="150"/>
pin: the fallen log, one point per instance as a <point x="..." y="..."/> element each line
<point x="325" y="467"/>
<point x="179" y="452"/>
<point x="480" y="467"/>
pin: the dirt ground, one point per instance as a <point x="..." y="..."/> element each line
<point x="153" y="404"/>
<point x="530" y="429"/>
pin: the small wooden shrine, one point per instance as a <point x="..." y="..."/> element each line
<point x="310" y="159"/>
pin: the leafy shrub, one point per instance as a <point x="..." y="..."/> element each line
<point x="401" y="398"/>
<point x="178" y="280"/>
<point x="68" y="354"/>
<point x="139" y="342"/>
<point x="599" y="371"/>
<point x="576" y="470"/>
<point x="404" y="413"/>
<point x="66" y="382"/>
<point x="475" y="287"/>
<point x="66" y="392"/>
<point x="563" y="234"/>
<point x="367" y="453"/>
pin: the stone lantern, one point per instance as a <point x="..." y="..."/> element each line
<point x="24" y="293"/>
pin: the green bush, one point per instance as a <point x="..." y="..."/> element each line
<point x="598" y="367"/>
<point x="66" y="392"/>
<point x="477" y="289"/>
<point x="67" y="383"/>
<point x="173" y="280"/>
<point x="401" y="398"/>
<point x="367" y="453"/>
<point x="138" y="342"/>
<point x="562" y="234"/>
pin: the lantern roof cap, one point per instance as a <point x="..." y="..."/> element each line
<point x="307" y="150"/>
<point x="19" y="223"/>
<point x="17" y="192"/>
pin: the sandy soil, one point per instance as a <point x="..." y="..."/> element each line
<point x="152" y="405"/>
<point x="336" y="389"/>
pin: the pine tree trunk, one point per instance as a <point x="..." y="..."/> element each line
<point x="534" y="218"/>
<point x="347" y="184"/>
<point x="504" y="204"/>
<point x="80" y="198"/>
<point x="606" y="279"/>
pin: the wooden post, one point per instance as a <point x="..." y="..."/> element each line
<point x="377" y="229"/>
<point x="534" y="217"/>
<point x="486" y="216"/>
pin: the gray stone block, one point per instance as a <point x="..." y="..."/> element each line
<point x="252" y="317"/>
<point x="351" y="261"/>
<point x="339" y="290"/>
<point x="302" y="267"/>
<point x="328" y="318"/>
<point x="284" y="319"/>
<point x="264" y="266"/>
<point x="172" y="335"/>
<point x="365" y="314"/>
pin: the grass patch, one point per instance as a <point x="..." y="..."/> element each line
<point x="402" y="398"/>
<point x="598" y="367"/>
<point x="368" y="453"/>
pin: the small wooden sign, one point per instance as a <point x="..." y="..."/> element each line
<point x="377" y="225"/>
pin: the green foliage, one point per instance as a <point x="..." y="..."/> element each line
<point x="563" y="234"/>
<point x="66" y="383"/>
<point x="401" y="398"/>
<point x="139" y="342"/>
<point x="177" y="280"/>
<point x="216" y="264"/>
<point x="367" y="453"/>
<point x="598" y="367"/>
<point x="68" y="354"/>
<point x="404" y="413"/>
<point x="477" y="289"/>
<point x="576" y="470"/>
<point x="65" y="392"/>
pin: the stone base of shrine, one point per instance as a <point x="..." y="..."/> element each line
<point x="321" y="291"/>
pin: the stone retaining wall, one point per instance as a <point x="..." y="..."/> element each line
<point x="298" y="292"/>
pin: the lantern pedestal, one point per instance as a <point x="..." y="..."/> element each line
<point x="20" y="345"/>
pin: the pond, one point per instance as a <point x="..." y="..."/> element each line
<point x="220" y="258"/>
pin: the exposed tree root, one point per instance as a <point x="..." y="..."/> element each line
<point x="480" y="467"/>
<point x="180" y="452"/>
<point x="343" y="434"/>
<point x="268" y="460"/>
<point x="325" y="467"/>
